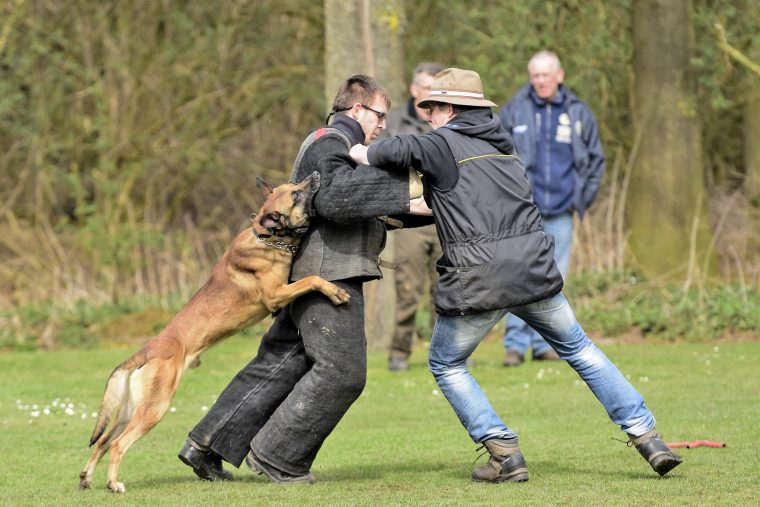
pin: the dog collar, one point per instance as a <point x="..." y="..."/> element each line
<point x="279" y="245"/>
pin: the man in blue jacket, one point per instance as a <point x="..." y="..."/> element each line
<point x="557" y="138"/>
<point x="497" y="259"/>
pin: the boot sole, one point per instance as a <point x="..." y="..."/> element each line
<point x="197" y="471"/>
<point x="666" y="464"/>
<point x="517" y="476"/>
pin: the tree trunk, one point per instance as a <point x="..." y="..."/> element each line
<point x="752" y="142"/>
<point x="365" y="37"/>
<point x="667" y="213"/>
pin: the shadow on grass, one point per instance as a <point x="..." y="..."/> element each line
<point x="355" y="473"/>
<point x="598" y="470"/>
<point x="373" y="472"/>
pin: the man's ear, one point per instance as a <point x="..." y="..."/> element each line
<point x="354" y="111"/>
<point x="264" y="186"/>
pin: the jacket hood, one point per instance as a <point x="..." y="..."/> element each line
<point x="481" y="123"/>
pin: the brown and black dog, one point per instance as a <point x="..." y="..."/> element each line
<point x="248" y="283"/>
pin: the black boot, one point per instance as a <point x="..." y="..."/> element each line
<point x="275" y="475"/>
<point x="206" y="464"/>
<point x="656" y="452"/>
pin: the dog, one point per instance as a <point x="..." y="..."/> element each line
<point x="248" y="283"/>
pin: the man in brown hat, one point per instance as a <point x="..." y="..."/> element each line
<point x="497" y="259"/>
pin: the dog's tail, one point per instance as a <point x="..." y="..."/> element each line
<point x="117" y="390"/>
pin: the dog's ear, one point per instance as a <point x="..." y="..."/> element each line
<point x="264" y="186"/>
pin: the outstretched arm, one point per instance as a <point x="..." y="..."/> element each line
<point x="349" y="192"/>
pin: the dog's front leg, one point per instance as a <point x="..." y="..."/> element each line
<point x="284" y="294"/>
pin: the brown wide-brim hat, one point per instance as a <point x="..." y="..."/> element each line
<point x="456" y="86"/>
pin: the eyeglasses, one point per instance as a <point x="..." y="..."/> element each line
<point x="428" y="109"/>
<point x="380" y="116"/>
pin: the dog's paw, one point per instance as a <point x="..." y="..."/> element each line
<point x="117" y="487"/>
<point x="339" y="296"/>
<point x="84" y="481"/>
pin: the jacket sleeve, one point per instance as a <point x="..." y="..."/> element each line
<point x="428" y="154"/>
<point x="596" y="163"/>
<point x="348" y="192"/>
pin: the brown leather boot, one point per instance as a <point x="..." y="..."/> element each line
<point x="505" y="465"/>
<point x="656" y="452"/>
<point x="513" y="358"/>
<point x="549" y="355"/>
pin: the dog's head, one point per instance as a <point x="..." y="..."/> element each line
<point x="287" y="208"/>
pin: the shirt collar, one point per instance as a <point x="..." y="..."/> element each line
<point x="558" y="99"/>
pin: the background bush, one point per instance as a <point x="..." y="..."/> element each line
<point x="131" y="133"/>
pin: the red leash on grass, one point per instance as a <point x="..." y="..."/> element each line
<point x="697" y="443"/>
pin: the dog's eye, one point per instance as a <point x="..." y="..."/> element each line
<point x="296" y="197"/>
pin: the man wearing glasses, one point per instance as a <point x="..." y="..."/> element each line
<point x="312" y="363"/>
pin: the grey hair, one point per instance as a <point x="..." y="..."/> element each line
<point x="547" y="55"/>
<point x="429" y="68"/>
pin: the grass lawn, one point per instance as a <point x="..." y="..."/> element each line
<point x="401" y="443"/>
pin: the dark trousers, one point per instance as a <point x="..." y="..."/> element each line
<point x="310" y="367"/>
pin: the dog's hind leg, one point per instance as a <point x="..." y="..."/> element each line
<point x="102" y="445"/>
<point x="151" y="392"/>
<point x="135" y="430"/>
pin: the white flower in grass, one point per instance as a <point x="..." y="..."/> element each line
<point x="36" y="413"/>
<point x="172" y="409"/>
<point x="46" y="411"/>
<point x="540" y="374"/>
<point x="69" y="411"/>
<point x="204" y="408"/>
<point x="436" y="392"/>
<point x="643" y="379"/>
<point x="526" y="386"/>
<point x="94" y="414"/>
<point x="84" y="416"/>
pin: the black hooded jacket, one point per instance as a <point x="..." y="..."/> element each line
<point x="495" y="253"/>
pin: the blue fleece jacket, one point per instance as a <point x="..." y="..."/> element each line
<point x="519" y="118"/>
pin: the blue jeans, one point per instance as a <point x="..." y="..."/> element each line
<point x="455" y="338"/>
<point x="518" y="335"/>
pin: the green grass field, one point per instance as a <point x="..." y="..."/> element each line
<point x="401" y="443"/>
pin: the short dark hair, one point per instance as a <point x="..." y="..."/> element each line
<point x="359" y="88"/>
<point x="461" y="109"/>
<point x="455" y="107"/>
